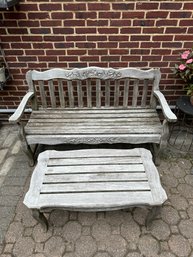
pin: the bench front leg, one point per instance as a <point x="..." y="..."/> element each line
<point x="151" y="215"/>
<point x="39" y="216"/>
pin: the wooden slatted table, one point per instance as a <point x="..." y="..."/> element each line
<point x="94" y="180"/>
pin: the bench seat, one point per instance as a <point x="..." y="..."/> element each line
<point x="91" y="126"/>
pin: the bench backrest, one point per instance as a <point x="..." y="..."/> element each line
<point x="94" y="87"/>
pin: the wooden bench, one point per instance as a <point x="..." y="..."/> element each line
<point x="94" y="180"/>
<point x="94" y="105"/>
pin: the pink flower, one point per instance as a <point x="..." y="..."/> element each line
<point x="182" y="67"/>
<point x="189" y="61"/>
<point x="185" y="54"/>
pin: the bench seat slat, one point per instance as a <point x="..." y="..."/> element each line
<point x="95" y="177"/>
<point x="95" y="201"/>
<point x="134" y="168"/>
<point x="95" y="187"/>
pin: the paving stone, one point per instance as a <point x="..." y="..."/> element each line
<point x="73" y="215"/>
<point x="189" y="179"/>
<point x="17" y="147"/>
<point x="8" y="248"/>
<point x="178" y="202"/>
<point x="115" y="218"/>
<point x="24" y="247"/>
<point x="134" y="254"/>
<point x="140" y="215"/>
<point x="164" y="246"/>
<point x="14" y="233"/>
<point x="185" y="190"/>
<point x="170" y="181"/>
<point x="115" y="245"/>
<point x="174" y="229"/>
<point x="10" y="140"/>
<point x="190" y="211"/>
<point x="101" y="230"/>
<point x="179" y="245"/>
<point x="115" y="230"/>
<point x="69" y="255"/>
<point x="6" y="211"/>
<point x="170" y="215"/>
<point x="72" y="230"/>
<point x="185" y="164"/>
<point x="54" y="247"/>
<point x="86" y="230"/>
<point x="58" y="218"/>
<point x="7" y="166"/>
<point x="9" y="200"/>
<point x="87" y="218"/>
<point x="130" y="230"/>
<point x="178" y="171"/>
<point x="38" y="255"/>
<point x="39" y="235"/>
<point x="85" y="246"/>
<point x="160" y="230"/>
<point x="11" y="190"/>
<point x="3" y="153"/>
<point x="167" y="254"/>
<point x="15" y="181"/>
<point x="103" y="254"/>
<point x="148" y="246"/>
<point x="186" y="228"/>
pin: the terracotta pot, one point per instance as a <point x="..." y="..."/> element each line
<point x="2" y="74"/>
<point x="191" y="99"/>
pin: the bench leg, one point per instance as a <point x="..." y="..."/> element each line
<point x="40" y="218"/>
<point x="151" y="215"/>
<point x="25" y="147"/>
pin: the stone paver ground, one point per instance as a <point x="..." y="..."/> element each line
<point x="102" y="234"/>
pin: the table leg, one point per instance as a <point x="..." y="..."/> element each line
<point x="151" y="215"/>
<point x="40" y="218"/>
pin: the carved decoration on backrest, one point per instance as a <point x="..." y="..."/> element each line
<point x="93" y="73"/>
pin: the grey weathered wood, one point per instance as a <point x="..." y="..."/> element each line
<point x="112" y="109"/>
<point x="87" y="180"/>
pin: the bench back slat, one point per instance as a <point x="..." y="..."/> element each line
<point x="94" y="87"/>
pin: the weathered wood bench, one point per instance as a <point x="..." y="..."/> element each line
<point x="94" y="180"/>
<point x="94" y="105"/>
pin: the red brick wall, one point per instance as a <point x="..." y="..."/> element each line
<point x="53" y="33"/>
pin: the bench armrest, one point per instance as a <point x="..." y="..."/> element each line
<point x="21" y="108"/>
<point x="168" y="114"/>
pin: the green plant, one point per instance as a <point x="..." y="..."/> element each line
<point x="184" y="70"/>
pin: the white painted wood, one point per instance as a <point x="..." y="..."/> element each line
<point x="21" y="108"/>
<point x="80" y="94"/>
<point x="70" y="94"/>
<point x="135" y="93"/>
<point x="98" y="93"/>
<point x="43" y="94"/>
<point x="65" y="186"/>
<point x="61" y="93"/>
<point x="169" y="115"/>
<point x="126" y="93"/>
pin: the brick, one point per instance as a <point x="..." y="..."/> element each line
<point x="166" y="23"/>
<point x="156" y="14"/>
<point x="72" y="23"/>
<point x="47" y="58"/>
<point x="61" y="15"/>
<point x="129" y="44"/>
<point x="51" y="23"/>
<point x="172" y="44"/>
<point x="89" y="58"/>
<point x="187" y="23"/>
<point x="98" y="52"/>
<point x="50" y="7"/>
<point x="130" y="58"/>
<point x="85" y="45"/>
<point x="177" y="30"/>
<point x="14" y="52"/>
<point x="86" y="15"/>
<point x="130" y="30"/>
<point x="97" y="23"/>
<point x="108" y="30"/>
<point x="40" y="31"/>
<point x="153" y="30"/>
<point x="161" y="38"/>
<point x="15" y="15"/>
<point x="38" y="15"/>
<point x="54" y="38"/>
<point x="64" y="45"/>
<point x="140" y="38"/>
<point x="107" y="45"/>
<point x="147" y="6"/>
<point x="76" y="52"/>
<point x="123" y="6"/>
<point x="68" y="58"/>
<point x="26" y="7"/>
<point x="170" y="6"/>
<point x="42" y="45"/>
<point x="75" y="38"/>
<point x="133" y="14"/>
<point x="118" y="51"/>
<point x="34" y="52"/>
<point x="27" y="58"/>
<point x="118" y="38"/>
<point x="188" y="6"/>
<point x="110" y="15"/>
<point x="63" y="31"/>
<point x="16" y="31"/>
<point x="98" y="38"/>
<point x="140" y="51"/>
<point x="32" y="38"/>
<point x="110" y="58"/>
<point x="151" y="58"/>
<point x="144" y="23"/>
<point x="74" y="7"/>
<point x="98" y="6"/>
<point x="180" y="14"/>
<point x="120" y="23"/>
<point x="28" y="23"/>
<point x="85" y="30"/>
<point x="9" y="23"/>
<point x="150" y="44"/>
